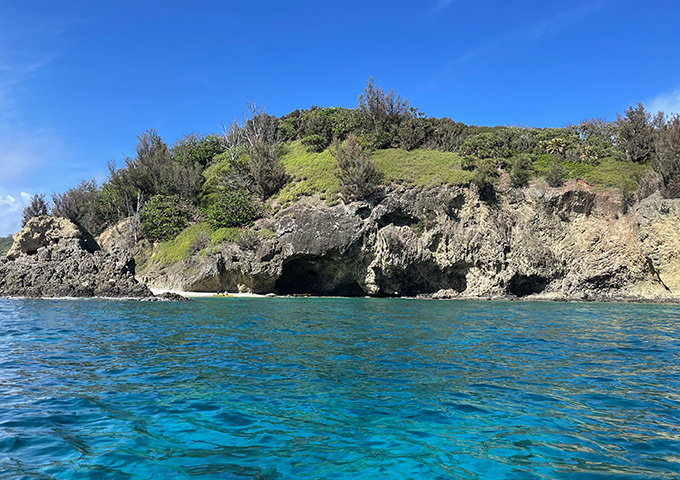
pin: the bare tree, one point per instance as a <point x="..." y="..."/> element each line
<point x="232" y="138"/>
<point x="262" y="142"/>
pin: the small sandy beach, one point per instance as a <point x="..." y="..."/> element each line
<point x="158" y="291"/>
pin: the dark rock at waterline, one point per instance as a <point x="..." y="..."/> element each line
<point x="54" y="257"/>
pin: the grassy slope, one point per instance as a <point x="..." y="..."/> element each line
<point x="313" y="173"/>
<point x="608" y="174"/>
<point x="178" y="248"/>
<point x="5" y="245"/>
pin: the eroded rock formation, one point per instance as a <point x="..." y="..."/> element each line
<point x="569" y="243"/>
<point x="54" y="257"/>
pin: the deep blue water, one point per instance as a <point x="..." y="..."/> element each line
<point x="338" y="389"/>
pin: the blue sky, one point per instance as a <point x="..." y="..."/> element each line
<point x="79" y="80"/>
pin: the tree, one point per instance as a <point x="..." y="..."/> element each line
<point x="356" y="170"/>
<point x="197" y="149"/>
<point x="556" y="146"/>
<point x="262" y="143"/>
<point x="36" y="207"/>
<point x="382" y="113"/>
<point x="151" y="172"/>
<point x="635" y="134"/>
<point x="667" y="161"/>
<point x="413" y="130"/>
<point x="232" y="138"/>
<point x="80" y="205"/>
<point x="595" y="138"/>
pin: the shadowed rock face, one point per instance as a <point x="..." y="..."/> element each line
<point x="53" y="257"/>
<point x="567" y="243"/>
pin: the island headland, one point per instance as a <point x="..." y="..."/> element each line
<point x="376" y="200"/>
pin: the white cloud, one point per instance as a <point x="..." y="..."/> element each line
<point x="442" y="4"/>
<point x="563" y="20"/>
<point x="11" y="209"/>
<point x="668" y="103"/>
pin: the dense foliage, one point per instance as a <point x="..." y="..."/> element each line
<point x="164" y="216"/>
<point x="263" y="162"/>
<point x="235" y="208"/>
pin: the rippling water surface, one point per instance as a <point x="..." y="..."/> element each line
<point x="338" y="389"/>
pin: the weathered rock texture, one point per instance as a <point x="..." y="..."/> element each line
<point x="569" y="243"/>
<point x="53" y="257"/>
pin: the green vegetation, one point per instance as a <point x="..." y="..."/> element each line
<point x="233" y="208"/>
<point x="200" y="237"/>
<point x="356" y="171"/>
<point x="5" y="245"/>
<point x="423" y="168"/>
<point x="164" y="217"/>
<point x="263" y="163"/>
<point x="309" y="173"/>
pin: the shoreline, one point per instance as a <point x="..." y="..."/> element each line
<point x="160" y="291"/>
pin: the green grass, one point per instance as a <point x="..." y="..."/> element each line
<point x="612" y="173"/>
<point x="422" y="168"/>
<point x="224" y="235"/>
<point x="313" y="173"/>
<point x="310" y="173"/>
<point x="5" y="245"/>
<point x="178" y="249"/>
<point x="608" y="174"/>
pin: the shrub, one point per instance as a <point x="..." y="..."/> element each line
<point x="468" y="163"/>
<point x="520" y="172"/>
<point x="356" y="170"/>
<point x="485" y="145"/>
<point x="484" y="177"/>
<point x="315" y="143"/>
<point x="412" y="133"/>
<point x="234" y="208"/>
<point x="555" y="174"/>
<point x="163" y="217"/>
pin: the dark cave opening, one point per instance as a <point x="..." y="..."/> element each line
<point x="317" y="276"/>
<point x="523" y="285"/>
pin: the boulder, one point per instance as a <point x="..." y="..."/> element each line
<point x="44" y="231"/>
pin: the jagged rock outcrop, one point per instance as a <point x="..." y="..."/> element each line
<point x="568" y="243"/>
<point x="54" y="257"/>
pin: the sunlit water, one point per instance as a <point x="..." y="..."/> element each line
<point x="338" y="389"/>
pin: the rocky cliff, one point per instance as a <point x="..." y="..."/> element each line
<point x="53" y="257"/>
<point x="569" y="243"/>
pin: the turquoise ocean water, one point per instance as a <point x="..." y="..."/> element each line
<point x="338" y="389"/>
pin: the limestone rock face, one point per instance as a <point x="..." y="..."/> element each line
<point x="44" y="231"/>
<point x="444" y="242"/>
<point x="53" y="257"/>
